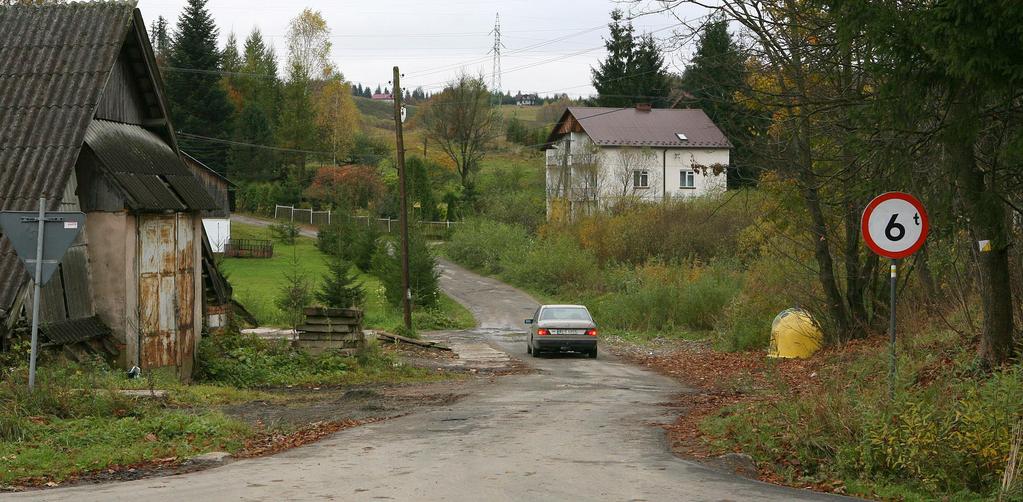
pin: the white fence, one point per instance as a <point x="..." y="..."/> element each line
<point x="431" y="229"/>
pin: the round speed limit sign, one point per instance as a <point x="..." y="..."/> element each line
<point x="894" y="225"/>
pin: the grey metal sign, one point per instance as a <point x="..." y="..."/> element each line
<point x="22" y="229"/>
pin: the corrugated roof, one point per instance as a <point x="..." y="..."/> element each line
<point x="54" y="64"/>
<point x="74" y="331"/>
<point x="655" y="128"/>
<point x="151" y="174"/>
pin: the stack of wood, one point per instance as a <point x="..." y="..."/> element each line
<point x="331" y="329"/>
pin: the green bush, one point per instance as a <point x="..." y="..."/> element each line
<point x="482" y="244"/>
<point x="553" y="265"/>
<point x="339" y="288"/>
<point x="285" y="232"/>
<point x="663" y="298"/>
<point x="247" y="361"/>
<point x="423" y="276"/>
<point x="350" y="239"/>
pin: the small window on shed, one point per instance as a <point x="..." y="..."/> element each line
<point x="681" y="136"/>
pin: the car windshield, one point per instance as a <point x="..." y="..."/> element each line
<point x="564" y="314"/>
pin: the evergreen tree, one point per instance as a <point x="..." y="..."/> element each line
<point x="379" y="90"/>
<point x="250" y="163"/>
<point x="298" y="126"/>
<point x="423" y="276"/>
<point x="256" y="122"/>
<point x="198" y="103"/>
<point x="634" y="70"/>
<point x="231" y="64"/>
<point x="648" y="77"/>
<point x="420" y="188"/>
<point x="366" y="93"/>
<point x="160" y="38"/>
<point x="611" y="77"/>
<point x="339" y="288"/>
<point x="715" y="75"/>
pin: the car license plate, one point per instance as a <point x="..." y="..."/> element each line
<point x="568" y="331"/>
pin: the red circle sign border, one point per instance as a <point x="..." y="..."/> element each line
<point x="865" y="218"/>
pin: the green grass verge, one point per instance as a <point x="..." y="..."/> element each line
<point x="76" y="422"/>
<point x="257" y="282"/>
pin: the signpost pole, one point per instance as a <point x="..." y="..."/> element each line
<point x="891" y="332"/>
<point x="35" y="296"/>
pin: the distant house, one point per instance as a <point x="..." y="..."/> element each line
<point x="85" y="125"/>
<point x="526" y="99"/>
<point x="597" y="157"/>
<point x="383" y="97"/>
<point x="216" y="222"/>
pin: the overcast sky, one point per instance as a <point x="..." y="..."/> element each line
<point x="432" y="40"/>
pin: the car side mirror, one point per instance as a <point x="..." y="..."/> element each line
<point x="529" y="321"/>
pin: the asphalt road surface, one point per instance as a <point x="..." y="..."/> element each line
<point x="574" y="429"/>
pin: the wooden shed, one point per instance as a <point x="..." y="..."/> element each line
<point x="216" y="222"/>
<point x="84" y="124"/>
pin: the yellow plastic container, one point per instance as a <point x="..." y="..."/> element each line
<point x="794" y="335"/>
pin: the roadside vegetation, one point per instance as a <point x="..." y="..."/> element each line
<point x="257" y="284"/>
<point x="77" y="421"/>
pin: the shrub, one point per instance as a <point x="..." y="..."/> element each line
<point x="351" y="239"/>
<point x="666" y="297"/>
<point x="553" y="265"/>
<point x="423" y="277"/>
<point x="285" y="231"/>
<point x="339" y="288"/>
<point x="295" y="294"/>
<point x="482" y="244"/>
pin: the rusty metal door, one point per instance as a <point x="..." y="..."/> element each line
<point x="166" y="290"/>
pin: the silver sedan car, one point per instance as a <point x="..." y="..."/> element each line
<point x="562" y="328"/>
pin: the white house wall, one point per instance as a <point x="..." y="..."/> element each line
<point x="218" y="231"/>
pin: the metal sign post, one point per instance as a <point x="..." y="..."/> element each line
<point x="894" y="225"/>
<point x="42" y="251"/>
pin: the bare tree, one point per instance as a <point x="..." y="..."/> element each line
<point x="627" y="173"/>
<point x="462" y="122"/>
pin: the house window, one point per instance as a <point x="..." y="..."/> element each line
<point x="687" y="179"/>
<point x="640" y="179"/>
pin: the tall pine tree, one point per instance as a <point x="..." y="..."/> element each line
<point x="260" y="90"/>
<point x="160" y="38"/>
<point x="633" y="71"/>
<point x="198" y="103"/>
<point x="611" y="77"/>
<point x="716" y="74"/>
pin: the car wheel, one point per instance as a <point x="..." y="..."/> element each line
<point x="529" y="348"/>
<point x="593" y="353"/>
<point x="535" y="352"/>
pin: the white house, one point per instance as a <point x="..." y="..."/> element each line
<point x="598" y="157"/>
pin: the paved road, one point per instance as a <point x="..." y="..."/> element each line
<point x="575" y="429"/>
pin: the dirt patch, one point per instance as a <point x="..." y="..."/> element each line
<point x="303" y="406"/>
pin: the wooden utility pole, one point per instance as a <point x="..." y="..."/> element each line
<point x="406" y="301"/>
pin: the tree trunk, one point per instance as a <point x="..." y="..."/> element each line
<point x="855" y="282"/>
<point x="819" y="228"/>
<point x="987" y="220"/>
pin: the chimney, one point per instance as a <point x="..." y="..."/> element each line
<point x="644" y="107"/>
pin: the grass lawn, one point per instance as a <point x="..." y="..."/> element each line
<point x="257" y="282"/>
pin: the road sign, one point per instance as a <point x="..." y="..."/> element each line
<point x="894" y="225"/>
<point x="22" y="229"/>
<point x="40" y="239"/>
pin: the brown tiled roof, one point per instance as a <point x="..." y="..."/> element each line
<point x="654" y="128"/>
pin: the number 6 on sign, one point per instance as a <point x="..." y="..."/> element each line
<point x="894" y="225"/>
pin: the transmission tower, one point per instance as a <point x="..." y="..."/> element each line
<point x="495" y="75"/>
